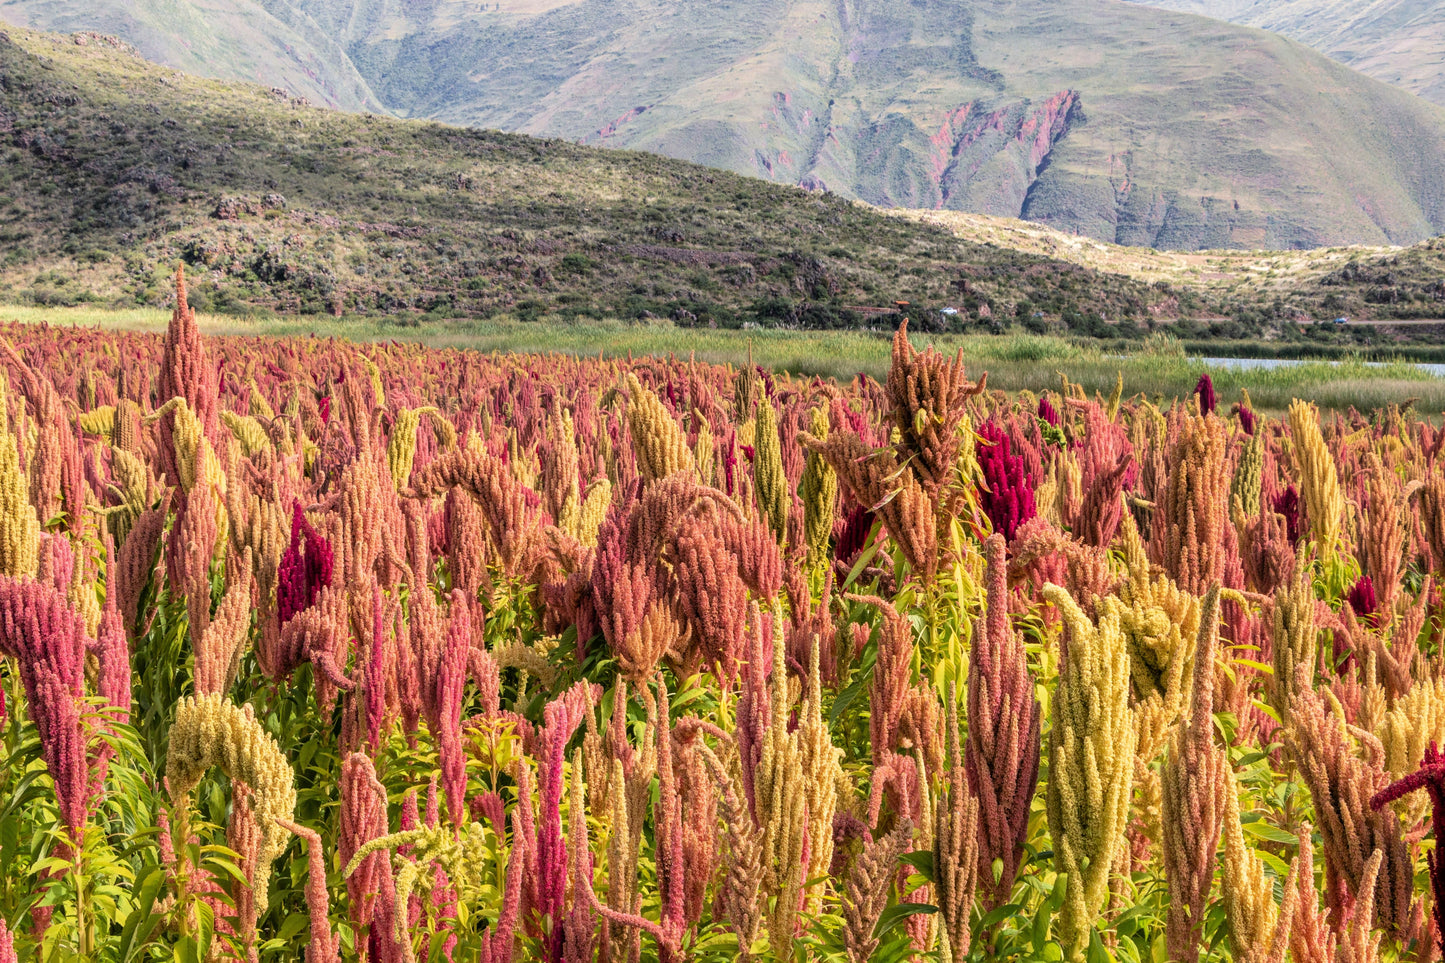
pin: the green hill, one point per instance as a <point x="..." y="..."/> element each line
<point x="1109" y="119"/>
<point x="269" y="43"/>
<point x="1400" y="42"/>
<point x="115" y="169"/>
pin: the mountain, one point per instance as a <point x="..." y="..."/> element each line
<point x="1109" y="119"/>
<point x="273" y="44"/>
<point x="116" y="169"/>
<point x="1400" y="42"/>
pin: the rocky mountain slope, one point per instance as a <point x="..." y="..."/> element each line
<point x="1108" y="119"/>
<point x="115" y="169"/>
<point x="1401" y="42"/>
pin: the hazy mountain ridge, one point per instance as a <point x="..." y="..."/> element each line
<point x="268" y="42"/>
<point x="1400" y="42"/>
<point x="1110" y="119"/>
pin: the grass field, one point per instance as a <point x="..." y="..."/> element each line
<point x="1159" y="368"/>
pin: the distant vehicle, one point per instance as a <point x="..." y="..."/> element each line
<point x="1342" y="320"/>
<point x="948" y="311"/>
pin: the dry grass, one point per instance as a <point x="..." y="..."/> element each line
<point x="1216" y="272"/>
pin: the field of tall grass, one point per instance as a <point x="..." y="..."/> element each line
<point x="1158" y="368"/>
<point x="399" y="652"/>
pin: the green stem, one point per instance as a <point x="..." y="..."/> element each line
<point x="84" y="938"/>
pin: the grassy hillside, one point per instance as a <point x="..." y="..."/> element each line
<point x="1398" y="288"/>
<point x="1400" y="42"/>
<point x="1108" y="119"/>
<point x="267" y="42"/>
<point x="116" y="169"/>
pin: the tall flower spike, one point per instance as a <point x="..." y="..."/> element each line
<point x="1245" y="489"/>
<point x="699" y="794"/>
<point x="209" y="731"/>
<point x="1204" y="391"/>
<point x="1091" y="763"/>
<point x="46" y="636"/>
<point x="738" y="899"/>
<point x="1319" y="482"/>
<point x="563" y="715"/>
<point x="1342" y="783"/>
<point x="1008" y="497"/>
<point x="1259" y="931"/>
<point x="1294" y="651"/>
<point x="185" y="372"/>
<point x="823" y="774"/>
<point x="113" y="675"/>
<point x="781" y="797"/>
<point x="955" y="845"/>
<point x="363" y="818"/>
<point x="660" y="445"/>
<point x="712" y="597"/>
<point x="322" y="947"/>
<point x="1383" y="532"/>
<point x="770" y="482"/>
<point x="19" y="528"/>
<point x="1247" y="486"/>
<point x="1359" y="943"/>
<point x="1161" y="624"/>
<point x="1002" y="754"/>
<point x="305" y="567"/>
<point x="1191" y="533"/>
<point x="579" y="925"/>
<point x="1108" y="469"/>
<point x="1310" y="938"/>
<point x="137" y="562"/>
<point x="1193" y="800"/>
<point x="1431" y="778"/>
<point x="218" y="645"/>
<point x="927" y="393"/>
<point x="819" y="489"/>
<point x="865" y="893"/>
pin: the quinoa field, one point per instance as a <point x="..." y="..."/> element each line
<point x="329" y="651"/>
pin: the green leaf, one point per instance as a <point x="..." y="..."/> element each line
<point x="186" y="951"/>
<point x="867" y="556"/>
<point x="893" y="914"/>
<point x="1278" y="866"/>
<point x="921" y="860"/>
<point x="1269" y="833"/>
<point x="997" y="916"/>
<point x="1040" y="936"/>
<point x="861" y="679"/>
<point x="292" y="927"/>
<point x="1097" y="952"/>
<point x="235" y="871"/>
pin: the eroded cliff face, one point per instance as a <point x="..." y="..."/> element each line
<point x="1161" y="134"/>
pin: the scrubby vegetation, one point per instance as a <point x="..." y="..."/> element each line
<point x="115" y="166"/>
<point x="116" y="169"/>
<point x="402" y="653"/>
